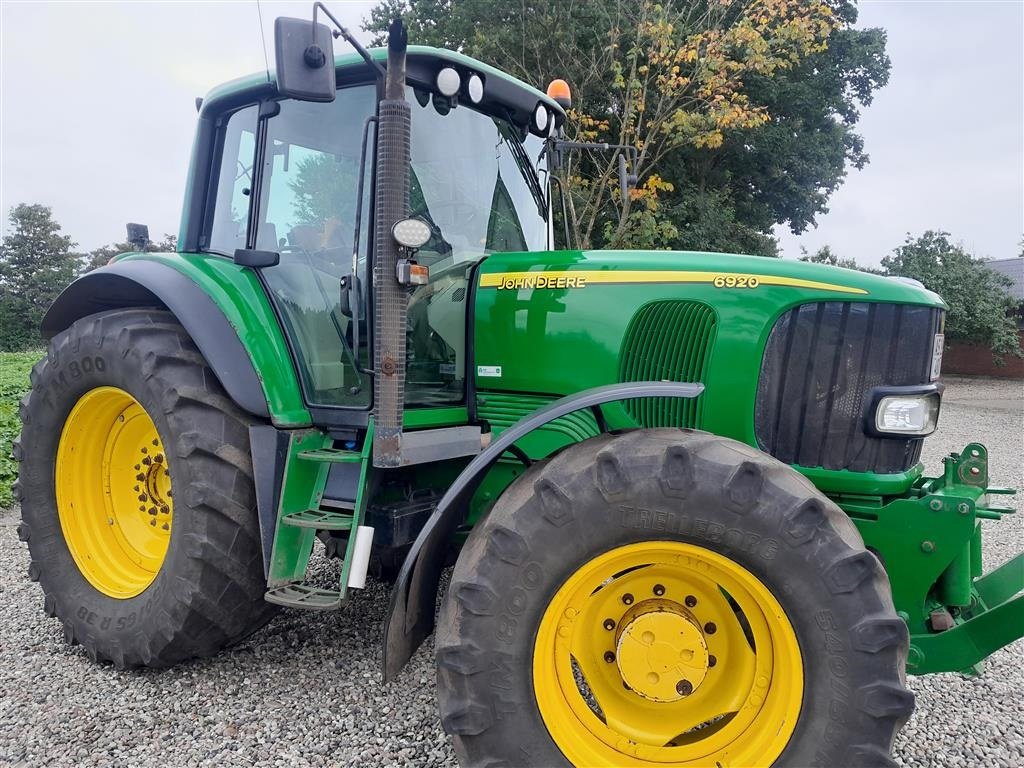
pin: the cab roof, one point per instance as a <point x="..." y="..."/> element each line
<point x="502" y="91"/>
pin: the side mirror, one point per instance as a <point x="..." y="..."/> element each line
<point x="304" y="53"/>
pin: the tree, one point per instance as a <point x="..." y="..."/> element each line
<point x="744" y="112"/>
<point x="979" y="304"/>
<point x="101" y="256"/>
<point x="36" y="264"/>
<point x="825" y="255"/>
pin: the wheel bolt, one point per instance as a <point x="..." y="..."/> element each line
<point x="690" y="601"/>
<point x="143" y="497"/>
<point x="140" y="477"/>
<point x="712" y="661"/>
<point x="166" y="527"/>
<point x="156" y="442"/>
<point x="609" y="624"/>
<point x="609" y="656"/>
<point x="659" y="590"/>
<point x="145" y="449"/>
<point x="627" y="599"/>
<point x="710" y="628"/>
<point x="147" y="461"/>
<point x="159" y="458"/>
<point x="165" y="509"/>
<point x="684" y="687"/>
<point x="153" y="523"/>
<point x="152" y="510"/>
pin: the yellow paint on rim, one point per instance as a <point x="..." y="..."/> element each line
<point x="113" y="492"/>
<point x="582" y="278"/>
<point x="696" y="612"/>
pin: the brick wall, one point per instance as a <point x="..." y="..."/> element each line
<point x="976" y="360"/>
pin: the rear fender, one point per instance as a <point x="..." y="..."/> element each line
<point x="218" y="314"/>
<point x="411" y="615"/>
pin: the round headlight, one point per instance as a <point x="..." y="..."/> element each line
<point x="411" y="233"/>
<point x="540" y="118"/>
<point x="475" y="88"/>
<point x="448" y="82"/>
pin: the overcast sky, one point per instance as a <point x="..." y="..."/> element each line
<point x="97" y="113"/>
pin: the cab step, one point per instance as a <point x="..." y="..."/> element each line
<point x="320" y="519"/>
<point x="332" y="455"/>
<point x="304" y="596"/>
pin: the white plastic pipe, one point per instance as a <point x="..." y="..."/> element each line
<point x="360" y="557"/>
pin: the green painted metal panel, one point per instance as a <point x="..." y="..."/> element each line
<point x="240" y="296"/>
<point x="555" y="323"/>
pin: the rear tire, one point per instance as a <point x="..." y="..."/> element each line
<point x="676" y="491"/>
<point x="207" y="588"/>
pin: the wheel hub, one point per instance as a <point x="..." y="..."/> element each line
<point x="661" y="652"/>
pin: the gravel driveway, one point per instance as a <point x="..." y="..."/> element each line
<point x="305" y="690"/>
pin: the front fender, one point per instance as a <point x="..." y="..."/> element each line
<point x="220" y="305"/>
<point x="411" y="615"/>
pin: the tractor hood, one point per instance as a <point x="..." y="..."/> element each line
<point x="767" y="337"/>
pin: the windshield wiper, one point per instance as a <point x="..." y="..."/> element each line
<point x="527" y="170"/>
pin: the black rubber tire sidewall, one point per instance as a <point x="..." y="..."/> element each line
<point x="193" y="607"/>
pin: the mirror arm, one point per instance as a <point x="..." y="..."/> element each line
<point x="379" y="71"/>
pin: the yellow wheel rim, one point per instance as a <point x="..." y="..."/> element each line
<point x="664" y="652"/>
<point x="113" y="492"/>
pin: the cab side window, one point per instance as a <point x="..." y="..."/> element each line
<point x="234" y="183"/>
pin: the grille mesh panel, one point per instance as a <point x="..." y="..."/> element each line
<point x="819" y="367"/>
<point x="667" y="341"/>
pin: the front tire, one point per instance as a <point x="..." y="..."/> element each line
<point x="586" y="608"/>
<point x="137" y="495"/>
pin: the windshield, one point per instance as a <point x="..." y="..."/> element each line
<point x="473" y="182"/>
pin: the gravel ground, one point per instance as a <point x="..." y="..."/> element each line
<point x="305" y="691"/>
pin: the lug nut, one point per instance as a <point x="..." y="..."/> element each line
<point x="152" y="510"/>
<point x="143" y="497"/>
<point x="159" y="458"/>
<point x="165" y="509"/>
<point x="140" y="477"/>
<point x="145" y="449"/>
<point x="609" y="624"/>
<point x="659" y="590"/>
<point x="166" y="527"/>
<point x="690" y="601"/>
<point x="710" y="628"/>
<point x="156" y="442"/>
<point x="153" y="523"/>
<point x="627" y="599"/>
<point x="684" y="687"/>
<point x="712" y="661"/>
<point x="147" y="461"/>
<point x="609" y="656"/>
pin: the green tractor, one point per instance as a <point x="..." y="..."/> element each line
<point x="682" y="491"/>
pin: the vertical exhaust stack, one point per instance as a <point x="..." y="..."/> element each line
<point x="391" y="204"/>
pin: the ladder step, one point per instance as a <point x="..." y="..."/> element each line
<point x="331" y="455"/>
<point x="304" y="596"/>
<point x="321" y="519"/>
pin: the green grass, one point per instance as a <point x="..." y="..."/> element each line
<point x="14" y="368"/>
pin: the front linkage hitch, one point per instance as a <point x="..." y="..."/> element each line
<point x="930" y="543"/>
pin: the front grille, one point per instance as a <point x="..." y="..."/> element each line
<point x="667" y="341"/>
<point x="820" y="364"/>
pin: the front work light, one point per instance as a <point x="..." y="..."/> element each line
<point x="448" y="81"/>
<point x="411" y="233"/>
<point x="540" y="118"/>
<point x="908" y="414"/>
<point x="475" y="88"/>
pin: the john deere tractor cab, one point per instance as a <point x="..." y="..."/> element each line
<point x="682" y="490"/>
